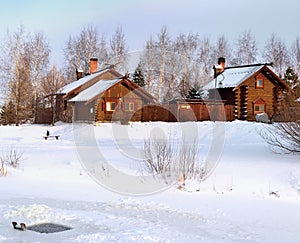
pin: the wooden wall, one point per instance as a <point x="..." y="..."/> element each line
<point x="120" y="95"/>
<point x="188" y="112"/>
<point x="84" y="112"/>
<point x="253" y="93"/>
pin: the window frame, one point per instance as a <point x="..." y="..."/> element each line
<point x="129" y="106"/>
<point x="109" y="106"/>
<point x="258" y="85"/>
<point x="261" y="108"/>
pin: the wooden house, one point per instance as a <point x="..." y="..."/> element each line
<point x="251" y="89"/>
<point x="111" y="100"/>
<point x="102" y="96"/>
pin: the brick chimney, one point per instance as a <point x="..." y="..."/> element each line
<point x="219" y="68"/>
<point x="93" y="65"/>
<point x="79" y="73"/>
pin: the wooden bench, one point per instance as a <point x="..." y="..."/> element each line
<point x="52" y="136"/>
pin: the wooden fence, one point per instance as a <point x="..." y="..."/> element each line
<point x="188" y="112"/>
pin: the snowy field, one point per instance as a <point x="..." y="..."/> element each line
<point x="253" y="195"/>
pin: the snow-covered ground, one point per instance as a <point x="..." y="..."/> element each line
<point x="253" y="195"/>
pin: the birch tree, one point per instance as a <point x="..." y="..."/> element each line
<point x="222" y="48"/>
<point x="118" y="52"/>
<point x="276" y="51"/>
<point x="24" y="64"/>
<point x="17" y="67"/>
<point x="295" y="55"/>
<point x="246" y="49"/>
<point x="148" y="64"/>
<point x="39" y="59"/>
<point x="79" y="49"/>
<point x="163" y="41"/>
<point x="206" y="59"/>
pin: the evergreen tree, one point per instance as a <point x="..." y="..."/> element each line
<point x="138" y="76"/>
<point x="291" y="78"/>
<point x="193" y="93"/>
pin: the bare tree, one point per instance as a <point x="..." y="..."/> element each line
<point x="118" y="52"/>
<point x="206" y="59"/>
<point x="24" y="64"/>
<point x="52" y="82"/>
<point x="39" y="52"/>
<point x="295" y="55"/>
<point x="246" y="51"/>
<point x="154" y="60"/>
<point x="275" y="51"/>
<point x="17" y="74"/>
<point x="163" y="42"/>
<point x="185" y="48"/>
<point x="283" y="137"/>
<point x="148" y="64"/>
<point x="79" y="49"/>
<point x="223" y="48"/>
<point x="170" y="66"/>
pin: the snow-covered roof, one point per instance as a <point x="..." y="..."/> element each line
<point x="76" y="84"/>
<point x="232" y="77"/>
<point x="94" y="90"/>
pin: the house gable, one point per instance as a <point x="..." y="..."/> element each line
<point x="75" y="87"/>
<point x="261" y="92"/>
<point x="121" y="102"/>
<point x="241" y="86"/>
<point x="117" y="99"/>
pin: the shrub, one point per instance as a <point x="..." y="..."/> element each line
<point x="283" y="137"/>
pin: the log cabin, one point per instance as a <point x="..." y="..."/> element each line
<point x="117" y="99"/>
<point x="103" y="96"/>
<point x="251" y="89"/>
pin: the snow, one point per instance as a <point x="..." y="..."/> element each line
<point x="232" y="77"/>
<point x="77" y="83"/>
<point x="251" y="196"/>
<point x="95" y="90"/>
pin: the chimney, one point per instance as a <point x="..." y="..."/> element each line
<point x="93" y="65"/>
<point x="219" y="68"/>
<point x="79" y="73"/>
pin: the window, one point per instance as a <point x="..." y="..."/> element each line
<point x="129" y="106"/>
<point x="260" y="83"/>
<point x="259" y="106"/>
<point x="110" y="106"/>
<point x="185" y="107"/>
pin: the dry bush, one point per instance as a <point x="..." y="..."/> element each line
<point x="12" y="157"/>
<point x="283" y="137"/>
<point x="166" y="159"/>
<point x="158" y="156"/>
<point x="3" y="171"/>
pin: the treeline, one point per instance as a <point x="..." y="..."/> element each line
<point x="169" y="66"/>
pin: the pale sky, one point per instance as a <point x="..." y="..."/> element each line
<point x="58" y="19"/>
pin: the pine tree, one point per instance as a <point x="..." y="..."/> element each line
<point x="138" y="76"/>
<point x="291" y="78"/>
<point x="193" y="93"/>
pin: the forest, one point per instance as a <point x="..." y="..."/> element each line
<point x="168" y="66"/>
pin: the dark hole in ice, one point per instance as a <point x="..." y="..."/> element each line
<point x="48" y="228"/>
